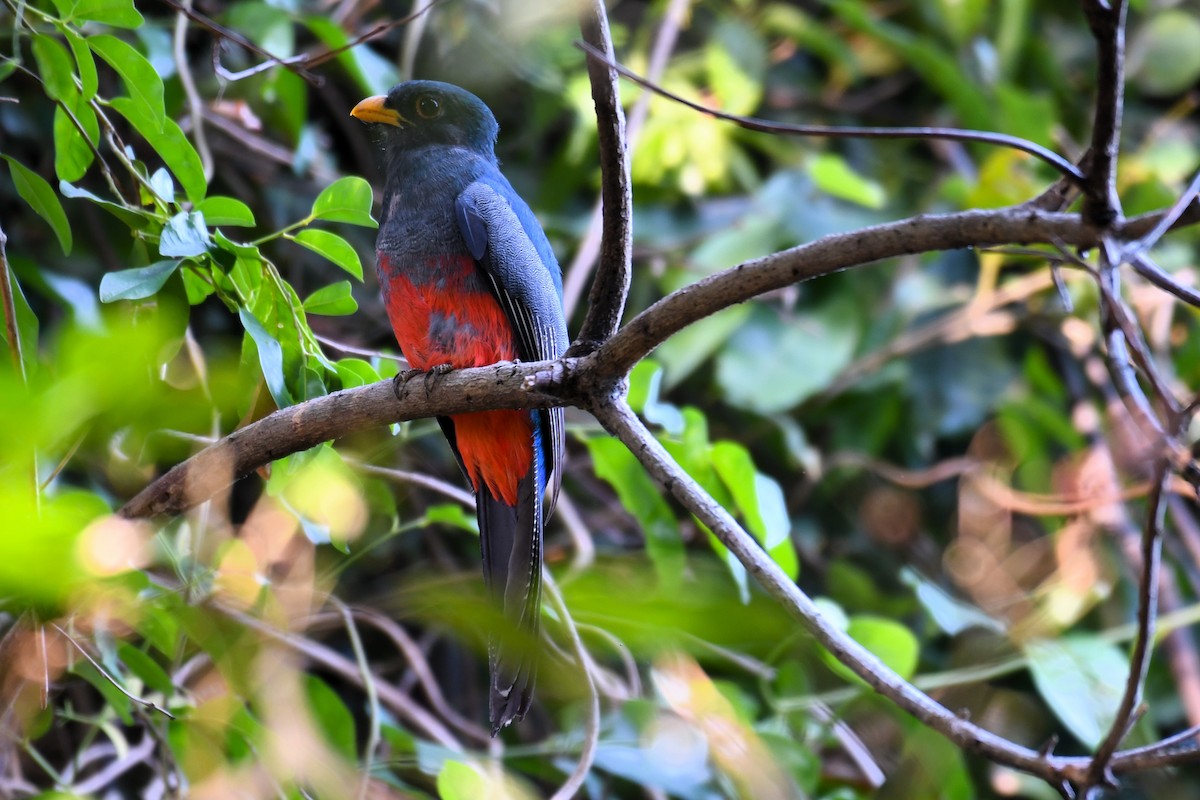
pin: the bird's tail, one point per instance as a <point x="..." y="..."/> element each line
<point x="511" y="541"/>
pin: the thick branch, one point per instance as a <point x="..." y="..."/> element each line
<point x="579" y="381"/>
<point x="606" y="301"/>
<point x="290" y="430"/>
<point x="1017" y="224"/>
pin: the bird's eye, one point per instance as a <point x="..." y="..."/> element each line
<point x="428" y="107"/>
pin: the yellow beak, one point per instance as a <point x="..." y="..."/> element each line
<point x="373" y="110"/>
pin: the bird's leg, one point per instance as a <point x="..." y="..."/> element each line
<point x="433" y="374"/>
<point x="400" y="381"/>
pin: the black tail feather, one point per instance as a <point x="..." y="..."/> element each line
<point x="511" y="540"/>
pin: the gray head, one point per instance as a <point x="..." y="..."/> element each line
<point x="420" y="113"/>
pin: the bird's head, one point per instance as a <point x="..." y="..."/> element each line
<point x="420" y="113"/>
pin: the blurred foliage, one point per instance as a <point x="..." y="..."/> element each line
<point x="187" y="234"/>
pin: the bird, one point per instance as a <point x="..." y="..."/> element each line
<point x="468" y="279"/>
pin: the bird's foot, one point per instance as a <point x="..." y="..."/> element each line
<point x="431" y="375"/>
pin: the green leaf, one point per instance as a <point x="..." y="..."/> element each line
<point x="832" y="174"/>
<point x="346" y="200"/>
<point x="27" y="325"/>
<point x="760" y="501"/>
<point x="55" y="67"/>
<point x="162" y="185"/>
<point x="270" y="358"/>
<point x="1164" y="56"/>
<point x="894" y="644"/>
<point x="228" y="211"/>
<point x="72" y="153"/>
<point x="114" y="698"/>
<point x="332" y="247"/>
<point x="334" y="719"/>
<point x="454" y="515"/>
<point x="141" y="80"/>
<point x="35" y="190"/>
<point x="332" y="301"/>
<point x="133" y="218"/>
<point x="184" y="235"/>
<point x="146" y="669"/>
<point x="136" y="283"/>
<point x="801" y="353"/>
<point x="117" y="13"/>
<point x="888" y="640"/>
<point x="950" y="614"/>
<point x="459" y="781"/>
<point x="167" y="139"/>
<point x="643" y="498"/>
<point x="355" y="372"/>
<point x="371" y="72"/>
<point x="83" y="59"/>
<point x="1082" y="679"/>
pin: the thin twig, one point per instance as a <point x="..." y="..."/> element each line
<point x="591" y="733"/>
<point x="194" y="103"/>
<point x="1144" y="266"/>
<point x="368" y="684"/>
<point x="458" y="495"/>
<point x="1056" y="161"/>
<point x="1139" y="661"/>
<point x="133" y="757"/>
<point x="575" y="276"/>
<point x="150" y="704"/>
<point x="10" y="309"/>
<point x="395" y="700"/>
<point x="1169" y="219"/>
<point x="421" y="669"/>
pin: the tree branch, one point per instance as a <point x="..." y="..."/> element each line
<point x="1034" y="149"/>
<point x="610" y="288"/>
<point x="578" y="381"/>
<point x="1139" y="661"/>
<point x="1102" y="206"/>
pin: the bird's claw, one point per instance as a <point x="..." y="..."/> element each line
<point x="431" y="376"/>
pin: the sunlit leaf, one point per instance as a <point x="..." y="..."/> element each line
<point x="137" y="283"/>
<point x="141" y="81"/>
<point x="72" y="152"/>
<point x="228" y="211"/>
<point x="459" y="781"/>
<point x="356" y="372"/>
<point x="167" y="139"/>
<point x="270" y="358"/>
<point x="1082" y="678"/>
<point x="951" y="615"/>
<point x="332" y="247"/>
<point x="185" y="234"/>
<point x="134" y="219"/>
<point x="333" y="301"/>
<point x="454" y="515"/>
<point x="888" y="640"/>
<point x="117" y="13"/>
<point x="832" y="174"/>
<point x="55" y="67"/>
<point x="35" y="190"/>
<point x="346" y="200"/>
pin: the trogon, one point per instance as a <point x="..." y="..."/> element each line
<point x="469" y="279"/>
